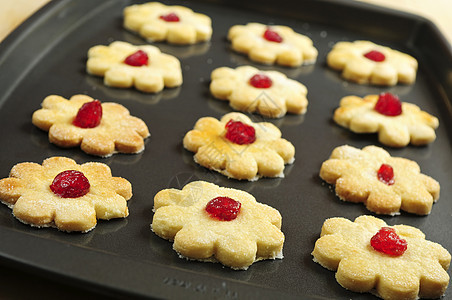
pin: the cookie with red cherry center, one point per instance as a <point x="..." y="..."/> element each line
<point x="269" y="93"/>
<point x="395" y="262"/>
<point x="100" y="129"/>
<point x="397" y="123"/>
<point x="385" y="184"/>
<point x="63" y="194"/>
<point x="239" y="148"/>
<point x="212" y="223"/>
<point x="365" y="62"/>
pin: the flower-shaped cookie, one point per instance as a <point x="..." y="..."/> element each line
<point x="364" y="62"/>
<point x="272" y="44"/>
<point x="176" y="24"/>
<point x="36" y="197"/>
<point x="270" y="93"/>
<point x="117" y="130"/>
<point x="345" y="246"/>
<point x="208" y="222"/>
<point x="238" y="148"/>
<point x="376" y="113"/>
<point x="383" y="183"/>
<point x="124" y="65"/>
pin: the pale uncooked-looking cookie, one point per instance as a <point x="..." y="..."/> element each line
<point x="29" y="191"/>
<point x="272" y="44"/>
<point x="175" y="24"/>
<point x="124" y="65"/>
<point x="269" y="93"/>
<point x="238" y="148"/>
<point x="345" y="247"/>
<point x="364" y="62"/>
<point x="377" y="114"/>
<point x="117" y="130"/>
<point x="383" y="183"/>
<point x="212" y="223"/>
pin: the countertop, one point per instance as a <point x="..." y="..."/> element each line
<point x="17" y="284"/>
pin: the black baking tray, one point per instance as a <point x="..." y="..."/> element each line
<point x="123" y="258"/>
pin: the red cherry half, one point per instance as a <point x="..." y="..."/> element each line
<point x="223" y="208"/>
<point x="388" y="105"/>
<point x="89" y="115"/>
<point x="386" y="174"/>
<point x="171" y="17"/>
<point x="261" y="81"/>
<point x="240" y="133"/>
<point x="387" y="241"/>
<point x="272" y="36"/>
<point x="375" y="55"/>
<point x="70" y="184"/>
<point x="137" y="59"/>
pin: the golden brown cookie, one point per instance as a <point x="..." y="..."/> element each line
<point x="383" y="183"/>
<point x="212" y="223"/>
<point x="65" y="195"/>
<point x="175" y="24"/>
<point x="364" y="62"/>
<point x="397" y="123"/>
<point x="272" y="44"/>
<point x="70" y="124"/>
<point x="368" y="256"/>
<point x="144" y="67"/>
<point x="269" y="93"/>
<point x="238" y="148"/>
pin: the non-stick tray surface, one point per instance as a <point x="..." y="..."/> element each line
<point x="47" y="55"/>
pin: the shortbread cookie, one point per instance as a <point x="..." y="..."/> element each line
<point x="396" y="262"/>
<point x="65" y="195"/>
<point x="238" y="148"/>
<point x="175" y="24"/>
<point x="212" y="223"/>
<point x="269" y="93"/>
<point x="272" y="44"/>
<point x="383" y="183"/>
<point x="397" y="123"/>
<point x="124" y="65"/>
<point x="98" y="128"/>
<point x="364" y="62"/>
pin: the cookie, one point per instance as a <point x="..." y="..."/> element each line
<point x="62" y="194"/>
<point x="270" y="93"/>
<point x="396" y="262"/>
<point x="144" y="67"/>
<point x="383" y="183"/>
<point x="397" y="123"/>
<point x="272" y="44"/>
<point x="175" y="24"/>
<point x="212" y="223"/>
<point x="238" y="148"/>
<point x="364" y="62"/>
<point x="100" y="129"/>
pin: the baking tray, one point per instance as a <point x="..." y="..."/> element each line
<point x="47" y="55"/>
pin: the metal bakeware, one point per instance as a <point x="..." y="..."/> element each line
<point x="47" y="55"/>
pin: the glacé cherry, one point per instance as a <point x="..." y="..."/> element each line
<point x="137" y="59"/>
<point x="240" y="133"/>
<point x="388" y="105"/>
<point x="386" y="174"/>
<point x="375" y="55"/>
<point x="70" y="184"/>
<point x="387" y="241"/>
<point x="272" y="36"/>
<point x="223" y="208"/>
<point x="89" y="115"/>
